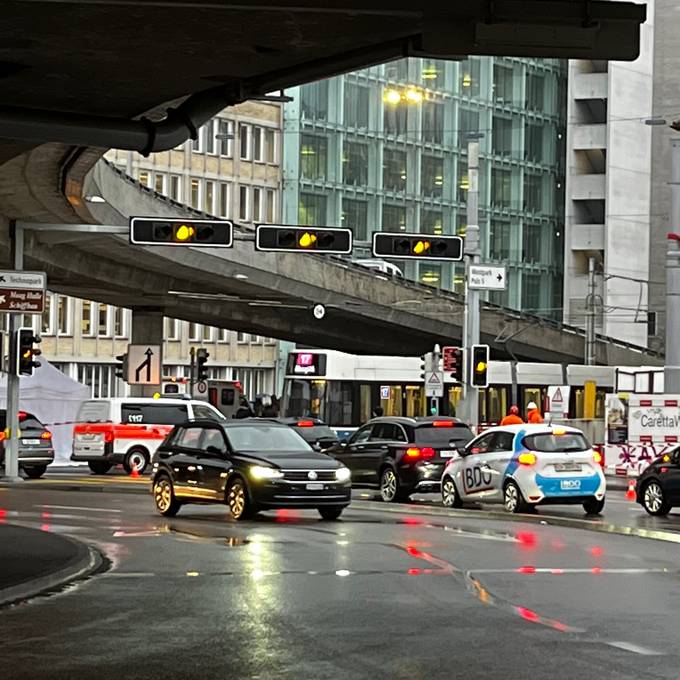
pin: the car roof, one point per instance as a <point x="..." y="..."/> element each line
<point x="533" y="428"/>
<point x="420" y="421"/>
<point x="229" y="424"/>
<point x="148" y="400"/>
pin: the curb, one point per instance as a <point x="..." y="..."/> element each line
<point x="77" y="486"/>
<point x="88" y="562"/>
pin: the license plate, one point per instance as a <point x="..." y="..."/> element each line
<point x="570" y="484"/>
<point x="30" y="442"/>
<point x="314" y="486"/>
<point x="448" y="453"/>
<point x="567" y="467"/>
<point x="86" y="437"/>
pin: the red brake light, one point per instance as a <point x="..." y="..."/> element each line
<point x="2" y="436"/>
<point x="414" y="452"/>
<point x="23" y="415"/>
<point x="442" y="423"/>
<point x="108" y="437"/>
<point x="305" y="423"/>
<point x="427" y="452"/>
<point x="46" y="435"/>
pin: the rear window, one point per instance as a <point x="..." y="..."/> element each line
<point x="153" y="414"/>
<point x="312" y="434"/>
<point x="29" y="422"/>
<point x="441" y="436"/>
<point x="94" y="411"/>
<point x="553" y="443"/>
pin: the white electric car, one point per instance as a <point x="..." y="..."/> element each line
<point x="523" y="466"/>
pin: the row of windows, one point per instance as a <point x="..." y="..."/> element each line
<point x="202" y="333"/>
<point x="219" y="135"/>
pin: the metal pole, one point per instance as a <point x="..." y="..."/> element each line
<point x="471" y="319"/>
<point x="12" y="442"/>
<point x="192" y="370"/>
<point x="672" y="367"/>
<point x="590" y="315"/>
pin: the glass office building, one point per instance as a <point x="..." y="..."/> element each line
<point x="385" y="149"/>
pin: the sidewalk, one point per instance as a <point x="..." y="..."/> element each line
<point x="33" y="561"/>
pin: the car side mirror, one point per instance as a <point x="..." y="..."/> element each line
<point x="316" y="446"/>
<point x="675" y="457"/>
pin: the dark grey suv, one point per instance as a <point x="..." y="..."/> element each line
<point x="36" y="450"/>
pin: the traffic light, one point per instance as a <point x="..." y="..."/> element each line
<point x="390" y="244"/>
<point x="26" y="353"/>
<point x="122" y="370"/>
<point x="285" y="238"/>
<point x="425" y="364"/>
<point x="202" y="355"/>
<point x="453" y="362"/>
<point x="480" y="366"/>
<point x="152" y="231"/>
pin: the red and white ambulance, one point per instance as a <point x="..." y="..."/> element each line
<point x="128" y="430"/>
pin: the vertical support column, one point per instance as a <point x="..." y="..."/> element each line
<point x="590" y="315"/>
<point x="672" y="368"/>
<point x="147" y="329"/>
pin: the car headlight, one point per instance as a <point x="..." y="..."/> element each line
<point x="263" y="472"/>
<point x="342" y="474"/>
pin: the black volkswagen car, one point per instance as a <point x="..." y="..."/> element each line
<point x="402" y="455"/>
<point x="658" y="487"/>
<point x="250" y="465"/>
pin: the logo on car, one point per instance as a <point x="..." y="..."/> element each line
<point x="312" y="475"/>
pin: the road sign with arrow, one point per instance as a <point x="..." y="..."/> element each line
<point x="144" y="365"/>
<point x="486" y="277"/>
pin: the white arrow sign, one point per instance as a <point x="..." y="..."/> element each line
<point x="144" y="365"/>
<point x="486" y="277"/>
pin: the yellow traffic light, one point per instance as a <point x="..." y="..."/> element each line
<point x="421" y="247"/>
<point x="414" y="96"/>
<point x="185" y="232"/>
<point x="392" y="96"/>
<point x="480" y="367"/>
<point x="307" y="240"/>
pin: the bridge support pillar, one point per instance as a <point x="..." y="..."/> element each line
<point x="147" y="329"/>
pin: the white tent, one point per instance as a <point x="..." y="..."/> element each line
<point x="52" y="397"/>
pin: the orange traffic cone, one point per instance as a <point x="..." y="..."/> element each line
<point x="630" y="492"/>
<point x="134" y="472"/>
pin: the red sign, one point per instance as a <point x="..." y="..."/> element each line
<point x="452" y="357"/>
<point x="26" y="301"/>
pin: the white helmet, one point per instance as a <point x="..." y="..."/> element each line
<point x="531" y="406"/>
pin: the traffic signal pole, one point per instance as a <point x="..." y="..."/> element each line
<point x="472" y="252"/>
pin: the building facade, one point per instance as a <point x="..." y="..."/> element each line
<point x="385" y="149"/>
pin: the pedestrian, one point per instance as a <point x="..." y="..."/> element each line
<point x="513" y="417"/>
<point x="533" y="414"/>
<point x="378" y="412"/>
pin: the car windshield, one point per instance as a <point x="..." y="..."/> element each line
<point x="441" y="436"/>
<point x="271" y="439"/>
<point x="313" y="434"/>
<point x="557" y="443"/>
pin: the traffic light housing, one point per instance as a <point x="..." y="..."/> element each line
<point x="425" y="364"/>
<point x="287" y="238"/>
<point x="122" y="370"/>
<point x="479" y="366"/>
<point x="26" y="352"/>
<point x="202" y="355"/>
<point x="453" y="363"/>
<point x="152" y="231"/>
<point x="423" y="246"/>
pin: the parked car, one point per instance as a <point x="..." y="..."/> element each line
<point x="36" y="450"/>
<point x="658" y="487"/>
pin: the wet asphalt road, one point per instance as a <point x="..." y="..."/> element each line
<point x="376" y="595"/>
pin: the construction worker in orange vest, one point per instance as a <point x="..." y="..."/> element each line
<point x="533" y="414"/>
<point x="513" y="417"/>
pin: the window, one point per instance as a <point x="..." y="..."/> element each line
<point x="195" y="200"/>
<point x="270" y="212"/>
<point x="314" y="100"/>
<point x="532" y="243"/>
<point x="503" y="442"/>
<point x="501" y="187"/>
<point x="208" y="334"/>
<point x="189" y="438"/>
<point x="255" y="340"/>
<point x="468" y="121"/>
<point x="397" y="70"/>
<point x="224" y="335"/>
<point x="210" y="140"/>
<point x="430" y="273"/>
<point x="46" y="326"/>
<point x="312" y="209"/>
<point x="355" y="163"/>
<point x="431" y="222"/>
<point x="241" y="337"/>
<point x="469" y="74"/>
<point x="499" y="239"/>
<point x="433" y="122"/>
<point x="393" y="218"/>
<point x="118" y="322"/>
<point x="194" y="332"/>
<point x="395" y="119"/>
<point x="171" y="329"/>
<point x="226" y="133"/>
<point x="63" y="316"/>
<point x="533" y="142"/>
<point x="394" y="170"/>
<point x="103" y="322"/>
<point x="175" y="188"/>
<point x="362" y="435"/>
<point x="534" y="95"/>
<point x="432" y="75"/>
<point x="356" y="105"/>
<point x="243" y="204"/>
<point x="388" y="432"/>
<point x="502" y="83"/>
<point x="224" y="194"/>
<point x="533" y="192"/>
<point x="501" y="136"/>
<point x="244" y="132"/>
<point x="198" y="144"/>
<point x="355" y="217"/>
<point x="159" y="183"/>
<point x="211" y="436"/>
<point x="209" y="199"/>
<point x="531" y="292"/>
<point x="431" y="175"/>
<point x="270" y="145"/>
<point x="651" y="323"/>
<point x="258" y="144"/>
<point x="86" y="320"/>
<point x="313" y="156"/>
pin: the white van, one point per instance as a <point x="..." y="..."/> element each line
<point x="128" y="430"/>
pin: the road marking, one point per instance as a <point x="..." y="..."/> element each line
<point x="637" y="649"/>
<point x="75" y="507"/>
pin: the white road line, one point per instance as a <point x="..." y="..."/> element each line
<point x="75" y="507"/>
<point x="632" y="647"/>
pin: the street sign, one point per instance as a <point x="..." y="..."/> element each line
<point x="201" y="386"/>
<point x="384" y="391"/>
<point x="434" y="384"/>
<point x="144" y="365"/>
<point x="22" y="292"/>
<point x="486" y="277"/>
<point x="558" y="397"/>
<point x="319" y="312"/>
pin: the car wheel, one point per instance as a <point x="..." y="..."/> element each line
<point x="513" y="499"/>
<point x="164" y="497"/>
<point x="136" y="459"/>
<point x="332" y="512"/>
<point x="35" y="471"/>
<point x="238" y="500"/>
<point x="99" y="467"/>
<point x="450" y="497"/>
<point x="389" y="486"/>
<point x="654" y="500"/>
<point x="593" y="507"/>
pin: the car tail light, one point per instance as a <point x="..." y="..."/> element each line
<point x="237" y="385"/>
<point x="415" y="453"/>
<point x="305" y="423"/>
<point x="527" y="458"/>
<point x="442" y="423"/>
<point x="46" y="435"/>
<point x="23" y="415"/>
<point x="597" y="457"/>
<point x="108" y="437"/>
<point x="2" y="436"/>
